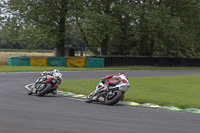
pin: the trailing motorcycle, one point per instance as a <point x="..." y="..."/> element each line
<point x="48" y="82"/>
<point x="108" y="92"/>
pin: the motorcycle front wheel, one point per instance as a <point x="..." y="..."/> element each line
<point x="88" y="99"/>
<point x="111" y="100"/>
<point x="45" y="90"/>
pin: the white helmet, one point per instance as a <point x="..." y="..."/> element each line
<point x="56" y="71"/>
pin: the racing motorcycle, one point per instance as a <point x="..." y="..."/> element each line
<point x="48" y="82"/>
<point x="107" y="92"/>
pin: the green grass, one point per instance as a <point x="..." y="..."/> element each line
<point x="42" y="68"/>
<point x="179" y="91"/>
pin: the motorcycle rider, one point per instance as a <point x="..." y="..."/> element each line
<point x="118" y="78"/>
<point x="46" y="75"/>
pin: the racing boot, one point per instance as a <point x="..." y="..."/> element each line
<point x="122" y="96"/>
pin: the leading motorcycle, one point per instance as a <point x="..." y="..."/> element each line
<point x="48" y="82"/>
<point x="108" y="92"/>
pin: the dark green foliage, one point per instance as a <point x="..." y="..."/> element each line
<point x="119" y="27"/>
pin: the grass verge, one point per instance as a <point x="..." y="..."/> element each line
<point x="50" y="68"/>
<point x="179" y="91"/>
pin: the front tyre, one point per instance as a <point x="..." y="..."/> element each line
<point x="44" y="91"/>
<point x="111" y="100"/>
<point x="88" y="100"/>
<point x="89" y="97"/>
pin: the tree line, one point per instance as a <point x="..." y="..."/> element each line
<point x="119" y="27"/>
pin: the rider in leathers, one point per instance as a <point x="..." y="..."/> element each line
<point x="120" y="76"/>
<point x="46" y="75"/>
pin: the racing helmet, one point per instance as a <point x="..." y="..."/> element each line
<point x="56" y="71"/>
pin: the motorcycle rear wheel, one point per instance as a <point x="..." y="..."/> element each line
<point x="44" y="91"/>
<point x="114" y="99"/>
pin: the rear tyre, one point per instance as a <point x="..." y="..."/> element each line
<point x="44" y="91"/>
<point x="114" y="99"/>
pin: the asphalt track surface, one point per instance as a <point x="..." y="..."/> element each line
<point x="20" y="113"/>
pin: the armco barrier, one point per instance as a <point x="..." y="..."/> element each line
<point x="76" y="61"/>
<point x="94" y="62"/>
<point x="56" y="61"/>
<point x="18" y="61"/>
<point x="38" y="61"/>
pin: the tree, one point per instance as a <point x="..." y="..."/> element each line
<point x="165" y="27"/>
<point x="95" y="23"/>
<point x="184" y="40"/>
<point x="6" y="43"/>
<point x="122" y="41"/>
<point x="119" y="27"/>
<point x="105" y="24"/>
<point x="36" y="22"/>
